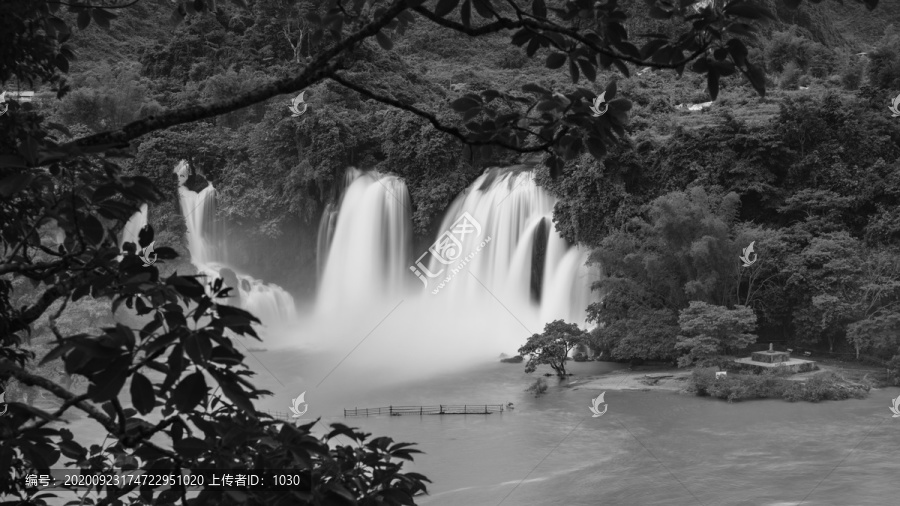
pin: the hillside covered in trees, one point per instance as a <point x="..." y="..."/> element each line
<point x="810" y="172"/>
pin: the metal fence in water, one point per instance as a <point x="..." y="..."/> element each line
<point x="440" y="409"/>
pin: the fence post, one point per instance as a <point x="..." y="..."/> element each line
<point x="465" y="409"/>
<point x="391" y="409"/>
<point x="420" y="410"/>
<point x="442" y="409"/>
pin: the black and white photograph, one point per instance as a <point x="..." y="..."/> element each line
<point x="449" y="252"/>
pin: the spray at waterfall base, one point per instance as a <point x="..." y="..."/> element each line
<point x="456" y="270"/>
<point x="374" y="316"/>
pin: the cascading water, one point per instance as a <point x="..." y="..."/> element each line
<point x="270" y="303"/>
<point x="496" y="274"/>
<point x="513" y="211"/>
<point x="369" y="248"/>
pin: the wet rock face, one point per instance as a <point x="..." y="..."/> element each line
<point x="196" y="183"/>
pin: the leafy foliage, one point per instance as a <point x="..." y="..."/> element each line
<point x="553" y="346"/>
<point x="708" y="330"/>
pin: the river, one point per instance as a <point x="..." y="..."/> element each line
<point x="650" y="448"/>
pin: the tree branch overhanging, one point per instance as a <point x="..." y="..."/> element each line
<point x="509" y="24"/>
<point x="318" y="69"/>
<point x="455" y="132"/>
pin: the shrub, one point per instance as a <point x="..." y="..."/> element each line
<point x="790" y="77"/>
<point x="772" y="383"/>
<point x="852" y="73"/>
<point x="513" y="360"/>
<point x="538" y="388"/>
<point x="884" y="65"/>
<point x="823" y="387"/>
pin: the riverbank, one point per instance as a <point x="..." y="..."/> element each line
<point x="646" y="379"/>
<point x="649" y="378"/>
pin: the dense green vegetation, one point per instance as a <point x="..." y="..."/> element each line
<point x="667" y="202"/>
<point x="774" y="384"/>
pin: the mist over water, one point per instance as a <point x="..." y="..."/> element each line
<point x="488" y="288"/>
<point x="496" y="274"/>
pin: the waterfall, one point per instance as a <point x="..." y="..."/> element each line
<point x="268" y="302"/>
<point x="497" y="258"/>
<point x="369" y="244"/>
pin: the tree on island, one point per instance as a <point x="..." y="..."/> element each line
<point x="553" y="346"/>
<point x="708" y="330"/>
<point x="52" y="182"/>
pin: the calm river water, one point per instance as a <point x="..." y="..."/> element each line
<point x="650" y="448"/>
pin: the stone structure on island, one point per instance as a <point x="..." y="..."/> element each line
<point x="770" y="359"/>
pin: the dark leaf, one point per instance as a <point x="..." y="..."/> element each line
<point x="11" y="161"/>
<point x="611" y="89"/>
<point x="190" y="392"/>
<point x="107" y="384"/>
<point x="84" y="19"/>
<point x="190" y="447"/>
<point x="93" y="230"/>
<point x="573" y="71"/>
<point x="102" y="17"/>
<point x="12" y="184"/>
<point x="142" y="396"/>
<point x="521" y="37"/>
<point x="384" y="41"/>
<point x="533" y="46"/>
<point x="622" y="67"/>
<point x="534" y="88"/>
<point x="596" y="147"/>
<point x="793" y="4"/>
<point x="465" y="13"/>
<point x="61" y="63"/>
<point x="483" y="8"/>
<point x="757" y="78"/>
<point x="712" y="83"/>
<point x="58" y="351"/>
<point x="463" y="104"/>
<point x="539" y="8"/>
<point x="165" y="253"/>
<point x="556" y="60"/>
<point x="444" y="7"/>
<point x="738" y="51"/>
<point x="145" y="236"/>
<point x="198" y="348"/>
<point x="236" y="395"/>
<point x="588" y="69"/>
